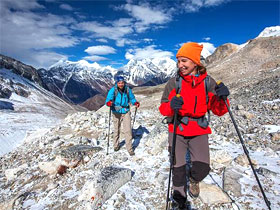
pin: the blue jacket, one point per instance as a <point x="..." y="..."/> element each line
<point x="121" y="103"/>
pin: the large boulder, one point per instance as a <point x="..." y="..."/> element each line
<point x="109" y="181"/>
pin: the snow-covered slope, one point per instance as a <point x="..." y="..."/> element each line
<point x="24" y="107"/>
<point x="270" y="31"/>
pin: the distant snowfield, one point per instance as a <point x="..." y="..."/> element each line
<point x="23" y="115"/>
<point x="15" y="127"/>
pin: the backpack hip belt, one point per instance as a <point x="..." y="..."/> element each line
<point x="117" y="108"/>
<point x="201" y="121"/>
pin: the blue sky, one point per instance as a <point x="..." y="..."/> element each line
<point x="41" y="32"/>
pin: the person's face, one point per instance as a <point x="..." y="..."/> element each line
<point x="186" y="65"/>
<point x="120" y="84"/>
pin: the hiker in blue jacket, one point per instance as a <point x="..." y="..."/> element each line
<point x="119" y="97"/>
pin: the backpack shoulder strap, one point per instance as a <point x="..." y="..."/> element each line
<point x="178" y="83"/>
<point x="115" y="93"/>
<point x="127" y="93"/>
<point x="207" y="87"/>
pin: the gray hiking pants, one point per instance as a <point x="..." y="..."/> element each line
<point x="200" y="159"/>
<point x="125" y="132"/>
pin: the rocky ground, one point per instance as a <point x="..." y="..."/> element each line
<point x="66" y="167"/>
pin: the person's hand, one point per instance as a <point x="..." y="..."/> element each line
<point x="222" y="91"/>
<point x="109" y="103"/>
<point x="176" y="102"/>
<point x="137" y="104"/>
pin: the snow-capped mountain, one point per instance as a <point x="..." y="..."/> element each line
<point x="79" y="81"/>
<point x="270" y="31"/>
<point x="148" y="71"/>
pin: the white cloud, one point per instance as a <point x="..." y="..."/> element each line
<point x="147" y="52"/>
<point x="66" y="7"/>
<point x="206" y="38"/>
<point x="215" y="2"/>
<point x="95" y="51"/>
<point x="122" y="42"/>
<point x="122" y="22"/>
<point x="145" y="16"/>
<point x="198" y="3"/>
<point x="38" y="59"/>
<point x="147" y="40"/>
<point x="28" y="30"/>
<point x="95" y="58"/>
<point x="31" y="32"/>
<point x="100" y="50"/>
<point x="44" y="58"/>
<point x="208" y="47"/>
<point x="111" y="31"/>
<point x="102" y="40"/>
<point x="195" y="5"/>
<point x="19" y="5"/>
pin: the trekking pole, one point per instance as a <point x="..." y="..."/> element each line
<point x="246" y="151"/>
<point x="172" y="155"/>
<point x="134" y="117"/>
<point x="109" y="130"/>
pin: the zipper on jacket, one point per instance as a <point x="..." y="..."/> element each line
<point x="195" y="102"/>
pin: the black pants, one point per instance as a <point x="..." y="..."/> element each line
<point x="200" y="158"/>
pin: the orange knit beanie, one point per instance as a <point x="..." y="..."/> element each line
<point x="190" y="50"/>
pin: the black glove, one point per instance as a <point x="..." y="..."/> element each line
<point x="176" y="102"/>
<point x="222" y="91"/>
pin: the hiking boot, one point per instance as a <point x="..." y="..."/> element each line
<point x="194" y="188"/>
<point x="117" y="148"/>
<point x="131" y="153"/>
<point x="179" y="201"/>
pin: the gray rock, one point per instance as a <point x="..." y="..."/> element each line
<point x="77" y="151"/>
<point x="231" y="181"/>
<point x="107" y="183"/>
<point x="266" y="172"/>
<point x="212" y="195"/>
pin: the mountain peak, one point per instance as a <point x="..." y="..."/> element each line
<point x="81" y="64"/>
<point x="270" y="31"/>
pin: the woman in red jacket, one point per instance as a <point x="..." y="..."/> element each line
<point x="199" y="93"/>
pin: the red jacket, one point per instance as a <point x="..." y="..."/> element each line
<point x="194" y="97"/>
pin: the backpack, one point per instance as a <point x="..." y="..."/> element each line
<point x="178" y="83"/>
<point x="116" y="92"/>
<point x="201" y="121"/>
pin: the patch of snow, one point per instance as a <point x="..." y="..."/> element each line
<point x="272" y="128"/>
<point x="270" y="31"/>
